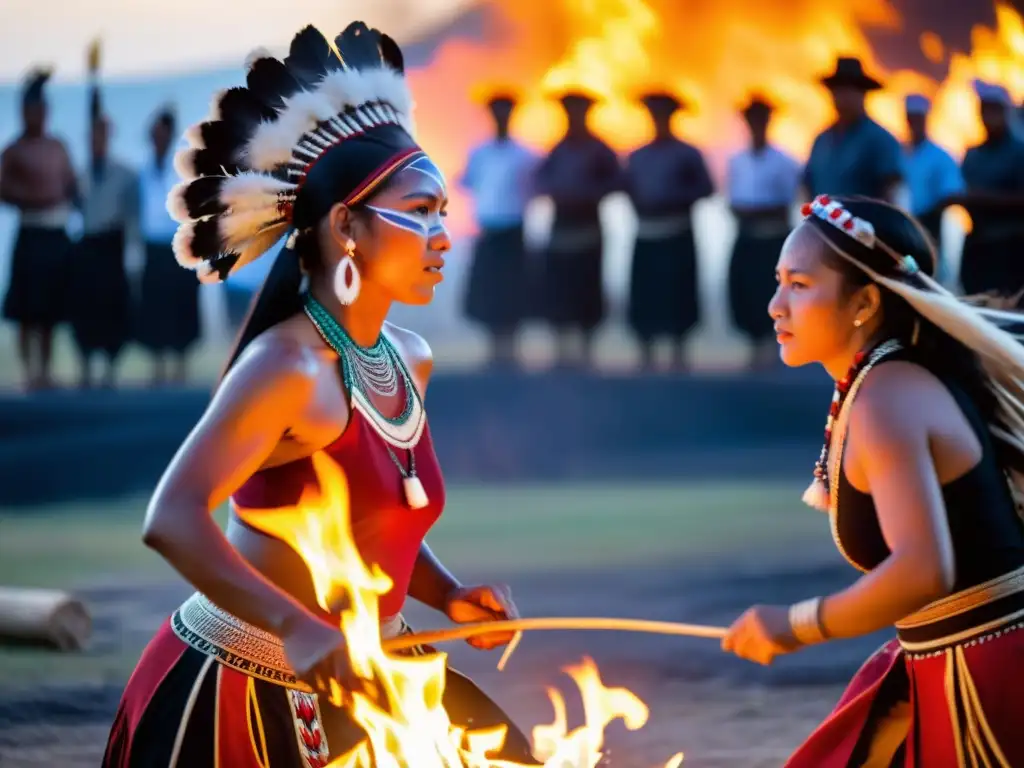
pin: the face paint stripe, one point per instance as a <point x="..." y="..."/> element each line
<point x="401" y="220"/>
<point x="426" y="166"/>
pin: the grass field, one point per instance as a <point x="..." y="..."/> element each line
<point x="494" y="531"/>
<point x="508" y="528"/>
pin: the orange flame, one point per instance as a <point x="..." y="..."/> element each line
<point x="408" y="724"/>
<point x="714" y="55"/>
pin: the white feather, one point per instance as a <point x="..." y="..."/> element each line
<point x="251" y="191"/>
<point x="255" y="247"/>
<point x="214" y="113"/>
<point x="237" y="227"/>
<point x="176" y="202"/>
<point x="194" y="136"/>
<point x="184" y="164"/>
<point x="274" y="142"/>
<point x="207" y="274"/>
<point x="255" y="55"/>
<point x="182" y="246"/>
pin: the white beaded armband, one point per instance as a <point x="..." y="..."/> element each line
<point x="805" y="621"/>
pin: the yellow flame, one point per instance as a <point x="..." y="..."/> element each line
<point x="714" y="55"/>
<point x="405" y="722"/>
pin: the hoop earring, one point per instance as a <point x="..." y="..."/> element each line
<point x="346" y="275"/>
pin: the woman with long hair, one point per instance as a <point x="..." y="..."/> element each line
<point x="320" y="146"/>
<point x="920" y="474"/>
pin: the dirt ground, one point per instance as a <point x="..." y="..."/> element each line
<point x="719" y="711"/>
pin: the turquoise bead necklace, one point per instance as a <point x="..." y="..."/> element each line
<point x="377" y="370"/>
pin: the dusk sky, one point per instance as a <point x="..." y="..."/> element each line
<point x="146" y="36"/>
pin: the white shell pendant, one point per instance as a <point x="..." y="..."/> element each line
<point x="415" y="495"/>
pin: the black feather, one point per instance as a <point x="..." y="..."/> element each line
<point x="311" y="57"/>
<point x="359" y="46"/>
<point x="210" y="163"/>
<point x="241" y="108"/>
<point x="392" y="54"/>
<point x="206" y="241"/>
<point x="222" y="139"/>
<point x="270" y="81"/>
<point x="224" y="264"/>
<point x="202" y="197"/>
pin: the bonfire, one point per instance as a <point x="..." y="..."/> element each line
<point x="404" y="720"/>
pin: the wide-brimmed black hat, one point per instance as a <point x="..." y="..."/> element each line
<point x="757" y="106"/>
<point x="662" y="102"/>
<point x="850" y="72"/>
<point x="577" y="97"/>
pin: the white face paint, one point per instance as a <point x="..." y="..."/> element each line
<point x="410" y="222"/>
<point x="413" y="222"/>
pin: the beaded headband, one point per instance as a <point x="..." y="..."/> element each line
<point x="834" y="212"/>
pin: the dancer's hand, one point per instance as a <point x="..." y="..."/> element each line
<point x="317" y="653"/>
<point x="760" y="634"/>
<point x="487" y="602"/>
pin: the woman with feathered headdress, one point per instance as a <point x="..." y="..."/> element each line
<point x="319" y="148"/>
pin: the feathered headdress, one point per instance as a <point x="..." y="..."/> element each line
<point x="325" y="125"/>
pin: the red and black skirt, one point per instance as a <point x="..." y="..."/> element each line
<point x="944" y="694"/>
<point x="213" y="692"/>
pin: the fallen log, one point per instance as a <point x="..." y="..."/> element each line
<point x="44" y="617"/>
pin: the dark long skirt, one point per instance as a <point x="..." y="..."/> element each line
<point x="752" y="281"/>
<point x="496" y="295"/>
<point x="572" y="277"/>
<point x="37" y="290"/>
<point x="953" y="701"/>
<point x="663" y="288"/>
<point x="168" y="313"/>
<point x="992" y="264"/>
<point x="209" y="713"/>
<point x="100" y="299"/>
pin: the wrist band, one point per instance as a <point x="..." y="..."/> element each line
<point x="805" y="621"/>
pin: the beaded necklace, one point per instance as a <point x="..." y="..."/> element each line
<point x="818" y="492"/>
<point x="379" y="370"/>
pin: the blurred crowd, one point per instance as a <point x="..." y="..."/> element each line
<point x="763" y="184"/>
<point x="77" y="275"/>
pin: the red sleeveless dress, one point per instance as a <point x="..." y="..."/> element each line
<point x="386" y="530"/>
<point x="206" y="705"/>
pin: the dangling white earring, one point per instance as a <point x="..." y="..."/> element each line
<point x="346" y="275"/>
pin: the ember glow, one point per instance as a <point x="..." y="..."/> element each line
<point x="405" y="723"/>
<point x="712" y="54"/>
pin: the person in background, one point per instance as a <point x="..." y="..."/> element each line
<point x="993" y="173"/>
<point x="168" y="322"/>
<point x="580" y="171"/>
<point x="38" y="179"/>
<point x="100" y="302"/>
<point x="762" y="184"/>
<point x="933" y="176"/>
<point x="499" y="176"/>
<point x="664" y="179"/>
<point x="855" y="155"/>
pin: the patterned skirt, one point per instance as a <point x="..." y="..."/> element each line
<point x="944" y="694"/>
<point x="211" y="691"/>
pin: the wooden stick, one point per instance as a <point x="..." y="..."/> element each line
<point x="43" y="617"/>
<point x="463" y="631"/>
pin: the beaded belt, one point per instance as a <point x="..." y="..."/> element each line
<point x="988" y="608"/>
<point x="237" y="644"/>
